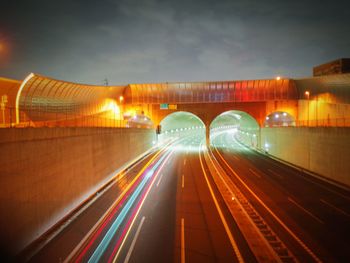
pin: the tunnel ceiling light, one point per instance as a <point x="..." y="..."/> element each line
<point x="277" y="116"/>
<point x="278" y="78"/>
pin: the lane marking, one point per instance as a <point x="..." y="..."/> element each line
<point x="183" y="181"/>
<point x="111" y="208"/>
<point x="306" y="211"/>
<point x="182" y="240"/>
<point x="253" y="172"/>
<point x="160" y="178"/>
<point x="140" y="206"/>
<point x="301" y="243"/>
<point x="275" y="173"/>
<point x="134" y="241"/>
<point x="235" y="157"/>
<point x="269" y="247"/>
<point x="335" y="208"/>
<point x="296" y="172"/>
<point x="323" y="186"/>
<point x="227" y="229"/>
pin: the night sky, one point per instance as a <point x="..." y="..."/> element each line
<point x="128" y="41"/>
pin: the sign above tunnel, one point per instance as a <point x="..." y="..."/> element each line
<point x="166" y="106"/>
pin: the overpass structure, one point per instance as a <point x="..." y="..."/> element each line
<point x="41" y="101"/>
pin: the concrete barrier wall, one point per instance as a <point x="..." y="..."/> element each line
<point x="324" y="151"/>
<point x="47" y="172"/>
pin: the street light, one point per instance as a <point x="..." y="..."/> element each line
<point x="121" y="99"/>
<point x="307" y="94"/>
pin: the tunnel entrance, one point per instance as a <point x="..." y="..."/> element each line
<point x="139" y="121"/>
<point x="184" y="127"/>
<point x="279" y="119"/>
<point x="234" y="126"/>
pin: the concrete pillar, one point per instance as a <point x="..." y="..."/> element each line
<point x="207" y="135"/>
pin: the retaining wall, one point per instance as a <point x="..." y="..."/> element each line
<point x="322" y="150"/>
<point x="47" y="172"/>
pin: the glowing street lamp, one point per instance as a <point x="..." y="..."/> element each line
<point x="307" y="94"/>
<point x="121" y="99"/>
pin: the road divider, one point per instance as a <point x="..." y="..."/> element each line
<point x="224" y="222"/>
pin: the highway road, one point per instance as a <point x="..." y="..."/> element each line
<point x="164" y="209"/>
<point x="315" y="212"/>
<point x="168" y="208"/>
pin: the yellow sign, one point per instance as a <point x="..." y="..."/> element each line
<point x="172" y="107"/>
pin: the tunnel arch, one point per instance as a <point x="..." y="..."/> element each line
<point x="245" y="126"/>
<point x="138" y="121"/>
<point x="183" y="119"/>
<point x="181" y="124"/>
<point x="242" y="118"/>
<point x="279" y="119"/>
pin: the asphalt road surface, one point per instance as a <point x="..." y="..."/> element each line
<point x="317" y="212"/>
<point x="162" y="210"/>
<point x="167" y="208"/>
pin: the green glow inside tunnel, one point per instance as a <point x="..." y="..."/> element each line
<point x="245" y="127"/>
<point x="181" y="125"/>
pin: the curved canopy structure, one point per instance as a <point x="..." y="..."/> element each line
<point x="44" y="99"/>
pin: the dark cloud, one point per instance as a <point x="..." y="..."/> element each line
<point x="151" y="41"/>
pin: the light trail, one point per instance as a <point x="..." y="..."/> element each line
<point x="134" y="241"/>
<point x="96" y="256"/>
<point x="103" y="245"/>
<point x="132" y="219"/>
<point x="115" y="207"/>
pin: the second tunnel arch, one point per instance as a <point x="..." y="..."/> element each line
<point x="246" y="126"/>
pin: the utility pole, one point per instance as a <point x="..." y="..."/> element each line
<point x="3" y="105"/>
